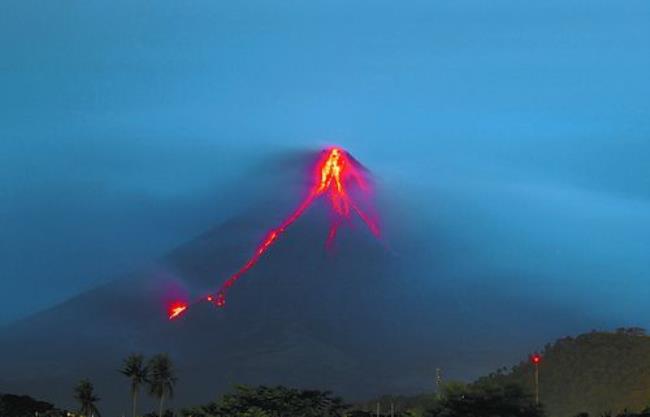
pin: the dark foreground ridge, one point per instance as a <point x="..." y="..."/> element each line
<point x="598" y="373"/>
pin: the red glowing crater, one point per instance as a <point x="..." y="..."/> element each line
<point x="334" y="171"/>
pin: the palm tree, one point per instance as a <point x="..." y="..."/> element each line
<point x="161" y="378"/>
<point x="135" y="369"/>
<point x="84" y="393"/>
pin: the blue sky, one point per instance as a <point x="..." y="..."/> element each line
<point x="521" y="128"/>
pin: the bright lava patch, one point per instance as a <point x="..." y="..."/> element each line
<point x="333" y="172"/>
<point x="176" y="310"/>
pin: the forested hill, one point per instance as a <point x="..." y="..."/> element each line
<point x="597" y="372"/>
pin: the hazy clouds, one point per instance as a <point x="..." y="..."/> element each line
<point x="518" y="130"/>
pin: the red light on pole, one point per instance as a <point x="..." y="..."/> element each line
<point x="536" y="359"/>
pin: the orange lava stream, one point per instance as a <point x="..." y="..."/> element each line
<point x="176" y="310"/>
<point x="333" y="171"/>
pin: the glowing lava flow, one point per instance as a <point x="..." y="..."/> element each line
<point x="176" y="310"/>
<point x="334" y="170"/>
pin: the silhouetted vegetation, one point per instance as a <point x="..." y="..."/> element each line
<point x="167" y="413"/>
<point x="271" y="402"/>
<point x="399" y="405"/>
<point x="23" y="405"/>
<point x="485" y="399"/>
<point x="138" y="373"/>
<point x="596" y="373"/>
<point x="161" y="379"/>
<point x="84" y="393"/>
<point x="624" y="413"/>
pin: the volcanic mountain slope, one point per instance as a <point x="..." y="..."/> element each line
<point x="356" y="320"/>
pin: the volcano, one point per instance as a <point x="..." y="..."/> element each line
<point x="294" y="321"/>
<point x="360" y="320"/>
<point x="332" y="176"/>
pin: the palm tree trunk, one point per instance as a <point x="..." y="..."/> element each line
<point x="162" y="398"/>
<point x="135" y="402"/>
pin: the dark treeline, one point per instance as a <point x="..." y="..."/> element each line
<point x="596" y="372"/>
<point x="157" y="374"/>
<point x="24" y="406"/>
<point x="592" y="375"/>
<point x="456" y="400"/>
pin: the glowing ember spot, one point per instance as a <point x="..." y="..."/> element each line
<point x="176" y="310"/>
<point x="333" y="171"/>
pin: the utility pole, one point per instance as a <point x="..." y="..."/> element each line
<point x="536" y="359"/>
<point x="392" y="410"/>
<point x="537" y="383"/>
<point x="377" y="409"/>
<point x="438" y="381"/>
